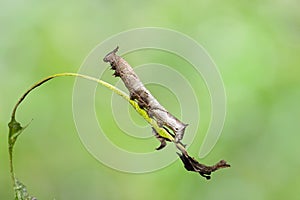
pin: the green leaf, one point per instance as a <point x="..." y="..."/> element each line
<point x="15" y="129"/>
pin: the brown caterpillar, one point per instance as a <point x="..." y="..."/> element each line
<point x="145" y="99"/>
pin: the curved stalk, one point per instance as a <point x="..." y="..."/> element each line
<point x="15" y="128"/>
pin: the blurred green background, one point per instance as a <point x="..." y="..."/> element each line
<point x="256" y="45"/>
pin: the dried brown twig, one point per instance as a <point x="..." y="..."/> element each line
<point x="165" y="120"/>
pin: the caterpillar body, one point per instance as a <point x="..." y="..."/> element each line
<point x="145" y="99"/>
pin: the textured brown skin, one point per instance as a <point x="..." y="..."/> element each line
<point x="144" y="98"/>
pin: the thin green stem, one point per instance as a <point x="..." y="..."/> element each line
<point x="39" y="83"/>
<point x="162" y="132"/>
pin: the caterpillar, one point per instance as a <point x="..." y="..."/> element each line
<point x="145" y="100"/>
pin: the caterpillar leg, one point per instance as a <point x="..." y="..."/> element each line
<point x="162" y="140"/>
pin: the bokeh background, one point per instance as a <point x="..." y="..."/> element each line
<point x="256" y="45"/>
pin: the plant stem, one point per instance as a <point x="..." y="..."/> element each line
<point x="12" y="138"/>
